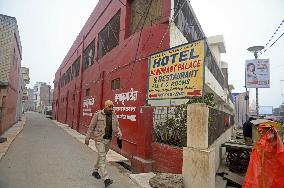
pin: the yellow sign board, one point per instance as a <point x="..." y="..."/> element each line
<point x="177" y="72"/>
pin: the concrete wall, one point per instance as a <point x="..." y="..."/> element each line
<point x="167" y="158"/>
<point x="201" y="160"/>
<point x="219" y="152"/>
<point x="217" y="46"/>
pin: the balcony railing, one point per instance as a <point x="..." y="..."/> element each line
<point x="189" y="26"/>
<point x="210" y="62"/>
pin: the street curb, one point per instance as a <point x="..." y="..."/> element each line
<point x="11" y="134"/>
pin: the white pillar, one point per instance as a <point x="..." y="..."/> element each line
<point x="198" y="158"/>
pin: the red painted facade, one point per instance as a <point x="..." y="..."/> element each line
<point x="13" y="88"/>
<point x="80" y="97"/>
<point x="128" y="62"/>
<point x="167" y="158"/>
<point x="9" y="89"/>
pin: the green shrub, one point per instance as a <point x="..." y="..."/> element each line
<point x="173" y="130"/>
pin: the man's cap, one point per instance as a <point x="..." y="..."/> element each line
<point x="108" y="103"/>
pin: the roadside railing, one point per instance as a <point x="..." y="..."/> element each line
<point x="218" y="123"/>
<point x="170" y="124"/>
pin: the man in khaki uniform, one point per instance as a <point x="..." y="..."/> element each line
<point x="103" y="124"/>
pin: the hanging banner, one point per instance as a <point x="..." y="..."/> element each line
<point x="177" y="72"/>
<point x="257" y="73"/>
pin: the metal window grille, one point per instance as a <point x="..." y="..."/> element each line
<point x="115" y="84"/>
<point x="109" y="36"/>
<point x="88" y="91"/>
<point x="138" y="14"/>
<point x="76" y="68"/>
<point x="89" y="54"/>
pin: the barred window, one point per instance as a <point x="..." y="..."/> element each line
<point x="89" y="55"/>
<point x="139" y="9"/>
<point x="69" y="75"/>
<point x="109" y="36"/>
<point x="65" y="79"/>
<point x="76" y="68"/>
<point x="115" y="84"/>
<point x="186" y="22"/>
<point x="62" y="80"/>
<point x="88" y="92"/>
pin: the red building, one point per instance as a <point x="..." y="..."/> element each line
<point x="10" y="66"/>
<point x="108" y="60"/>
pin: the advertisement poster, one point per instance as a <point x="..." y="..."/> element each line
<point x="177" y="72"/>
<point x="257" y="73"/>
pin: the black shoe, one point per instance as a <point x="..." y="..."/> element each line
<point x="96" y="175"/>
<point x="108" y="182"/>
<point x="119" y="143"/>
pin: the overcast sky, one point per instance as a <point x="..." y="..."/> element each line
<point x="48" y="28"/>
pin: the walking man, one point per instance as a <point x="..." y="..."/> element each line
<point x="103" y="126"/>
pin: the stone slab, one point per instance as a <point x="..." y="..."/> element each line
<point x="142" y="179"/>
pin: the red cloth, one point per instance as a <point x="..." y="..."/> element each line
<point x="266" y="166"/>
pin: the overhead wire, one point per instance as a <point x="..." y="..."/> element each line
<point x="276" y="40"/>
<point x="268" y="45"/>
<point x="172" y="19"/>
<point x="129" y="41"/>
<point x="130" y="77"/>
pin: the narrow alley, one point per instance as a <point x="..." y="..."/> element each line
<point x="44" y="155"/>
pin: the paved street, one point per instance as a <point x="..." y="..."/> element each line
<point x="44" y="156"/>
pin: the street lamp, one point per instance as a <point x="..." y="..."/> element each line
<point x="255" y="50"/>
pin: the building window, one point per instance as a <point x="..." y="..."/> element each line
<point x="76" y="68"/>
<point x="87" y="92"/>
<point x="73" y="97"/>
<point x="14" y="57"/>
<point x="115" y="84"/>
<point x="109" y="36"/>
<point x="186" y="22"/>
<point x="139" y="9"/>
<point x="3" y="101"/>
<point x="63" y="80"/>
<point x="69" y="75"/>
<point x="89" y="54"/>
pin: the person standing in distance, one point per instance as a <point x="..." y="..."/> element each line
<point x="103" y="126"/>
